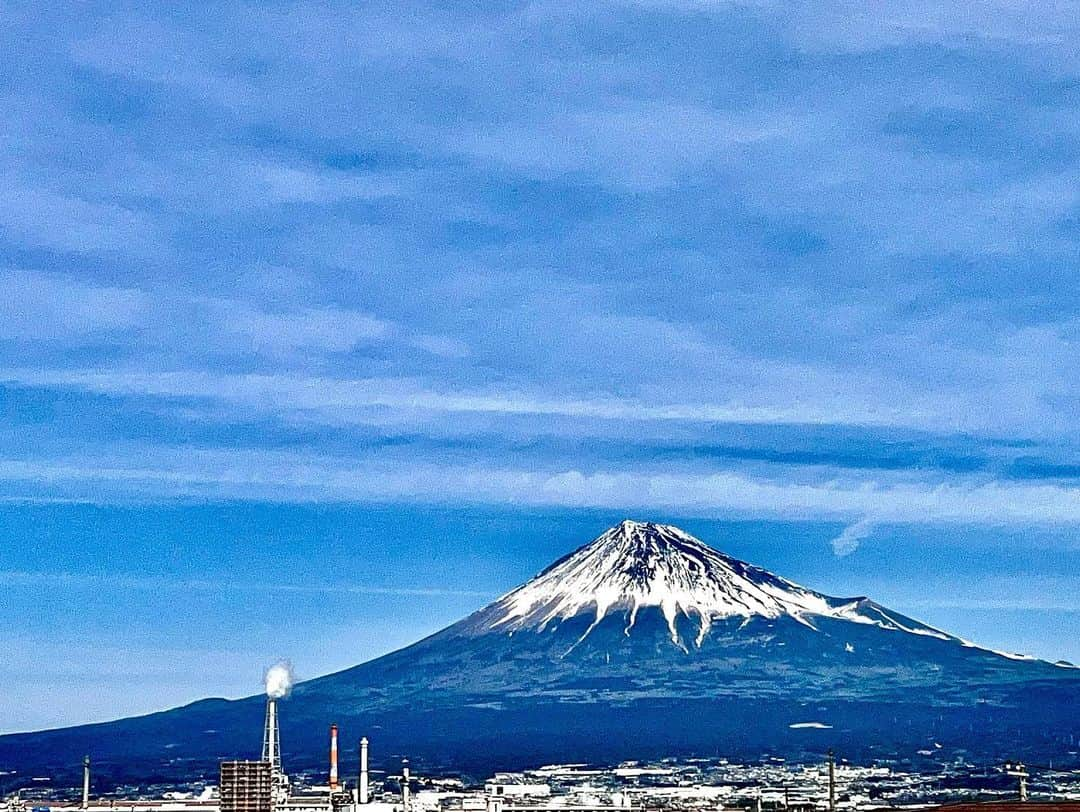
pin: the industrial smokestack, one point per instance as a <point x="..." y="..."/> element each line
<point x="333" y="759"/>
<point x="278" y="682"/>
<point x="271" y="751"/>
<point x="86" y="782"/>
<point x="362" y="785"/>
<point x="404" y="785"/>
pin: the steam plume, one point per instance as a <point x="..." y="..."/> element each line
<point x="279" y="679"/>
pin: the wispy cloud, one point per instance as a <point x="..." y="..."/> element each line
<point x="335" y="400"/>
<point x="285" y="477"/>
<point x="44" y="218"/>
<point x="326" y="329"/>
<point x="288" y="184"/>
<point x="45" y="307"/>
<point x="608" y="255"/>
<point x="630" y="144"/>
<point x="850" y="537"/>
<point x="338" y="398"/>
<point x="1035" y="604"/>
<point x="553" y="240"/>
<point x="112" y="581"/>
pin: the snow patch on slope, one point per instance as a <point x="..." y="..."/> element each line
<point x="635" y="565"/>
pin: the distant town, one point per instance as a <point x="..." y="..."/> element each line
<point x="833" y="785"/>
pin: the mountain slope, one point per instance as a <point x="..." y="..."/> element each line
<point x="645" y="642"/>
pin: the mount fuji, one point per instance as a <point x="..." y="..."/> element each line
<point x="636" y="566"/>
<point x="643" y="643"/>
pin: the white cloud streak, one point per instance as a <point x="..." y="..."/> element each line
<point x="23" y="578"/>
<point x="284" y="476"/>
<point x="35" y="306"/>
<point x="347" y="400"/>
<point x="849" y="539"/>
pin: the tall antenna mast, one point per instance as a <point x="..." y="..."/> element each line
<point x="832" y="781"/>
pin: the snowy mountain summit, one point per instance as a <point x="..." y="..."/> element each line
<point x="639" y="565"/>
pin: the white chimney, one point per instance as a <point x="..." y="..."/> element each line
<point x="362" y="790"/>
<point x="86" y="782"/>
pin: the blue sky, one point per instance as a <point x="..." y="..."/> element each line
<point x="322" y="324"/>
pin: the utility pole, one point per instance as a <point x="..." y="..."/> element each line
<point x="832" y="781"/>
<point x="1019" y="772"/>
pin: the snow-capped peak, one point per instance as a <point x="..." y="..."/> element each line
<point x="641" y="564"/>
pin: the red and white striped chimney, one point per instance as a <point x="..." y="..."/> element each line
<point x="333" y="758"/>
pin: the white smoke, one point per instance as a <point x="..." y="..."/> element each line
<point x="279" y="679"/>
<point x="848" y="541"/>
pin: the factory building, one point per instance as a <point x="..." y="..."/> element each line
<point x="504" y="789"/>
<point x="246" y="786"/>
